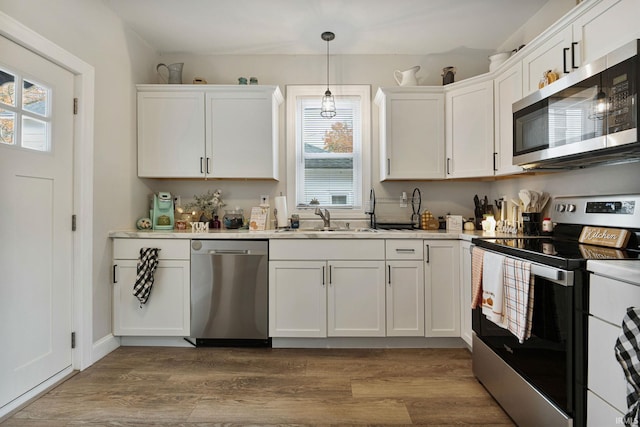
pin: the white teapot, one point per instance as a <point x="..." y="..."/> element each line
<point x="408" y="77"/>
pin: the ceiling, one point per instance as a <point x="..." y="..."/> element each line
<point x="293" y="27"/>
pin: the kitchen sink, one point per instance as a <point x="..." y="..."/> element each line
<point x="327" y="229"/>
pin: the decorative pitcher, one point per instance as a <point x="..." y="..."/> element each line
<point x="174" y="70"/>
<point x="408" y="77"/>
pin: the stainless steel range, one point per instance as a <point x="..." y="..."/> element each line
<point x="542" y="381"/>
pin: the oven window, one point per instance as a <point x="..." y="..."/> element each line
<point x="544" y="360"/>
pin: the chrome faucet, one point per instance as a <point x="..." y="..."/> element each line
<point x="326" y="217"/>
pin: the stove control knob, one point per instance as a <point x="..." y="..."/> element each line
<point x="560" y="207"/>
<point x="571" y="208"/>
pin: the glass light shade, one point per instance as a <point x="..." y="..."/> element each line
<point x="328" y="109"/>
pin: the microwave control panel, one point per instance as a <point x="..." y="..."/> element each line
<point x="622" y="96"/>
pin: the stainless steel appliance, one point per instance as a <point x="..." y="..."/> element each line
<point x="589" y="116"/>
<point x="229" y="292"/>
<point x="542" y="381"/>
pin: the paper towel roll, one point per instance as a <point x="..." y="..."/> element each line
<point x="280" y="204"/>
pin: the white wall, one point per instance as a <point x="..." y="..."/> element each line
<point x="90" y="31"/>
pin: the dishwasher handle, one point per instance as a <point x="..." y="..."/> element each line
<point x="235" y="252"/>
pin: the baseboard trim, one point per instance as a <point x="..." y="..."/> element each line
<point x="368" y="342"/>
<point x="104" y="346"/>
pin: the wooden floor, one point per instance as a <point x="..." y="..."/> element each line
<point x="145" y="386"/>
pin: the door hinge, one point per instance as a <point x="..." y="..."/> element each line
<point x="73" y="340"/>
<point x="75" y="106"/>
<point x="73" y="223"/>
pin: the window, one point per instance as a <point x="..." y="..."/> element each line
<point x="25" y="112"/>
<point x="328" y="159"/>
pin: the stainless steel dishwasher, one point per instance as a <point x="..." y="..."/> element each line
<point x="229" y="292"/>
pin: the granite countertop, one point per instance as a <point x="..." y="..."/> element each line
<point x="625" y="270"/>
<point x="305" y="234"/>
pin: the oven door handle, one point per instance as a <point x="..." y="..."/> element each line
<point x="547" y="272"/>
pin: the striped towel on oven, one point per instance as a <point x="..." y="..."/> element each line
<point x="477" y="256"/>
<point x="628" y="354"/>
<point x="518" y="297"/>
<point x="147" y="264"/>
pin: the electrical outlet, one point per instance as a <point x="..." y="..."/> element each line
<point x="177" y="201"/>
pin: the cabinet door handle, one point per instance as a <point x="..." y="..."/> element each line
<point x="388" y="166"/>
<point x="495" y="162"/>
<point x="330" y="279"/>
<point x="208" y="159"/>
<point x="564" y="60"/>
<point x="405" y="250"/>
<point x="573" y="55"/>
<point x="448" y="166"/>
<point x="201" y="165"/>
<point x="428" y="256"/>
<point x="389" y="279"/>
<point x="115" y="266"/>
<point x="323" y="274"/>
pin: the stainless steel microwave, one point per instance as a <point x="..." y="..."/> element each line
<point x="588" y="117"/>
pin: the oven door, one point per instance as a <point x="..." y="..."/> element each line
<point x="547" y="359"/>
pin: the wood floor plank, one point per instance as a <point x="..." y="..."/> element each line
<point x="188" y="387"/>
<point x="301" y="411"/>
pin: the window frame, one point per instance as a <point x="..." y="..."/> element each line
<point x="293" y="92"/>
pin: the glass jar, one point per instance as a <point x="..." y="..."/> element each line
<point x="233" y="219"/>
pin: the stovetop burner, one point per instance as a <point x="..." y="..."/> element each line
<point x="568" y="255"/>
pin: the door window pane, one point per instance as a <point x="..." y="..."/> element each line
<point x="7" y="125"/>
<point x="34" y="98"/>
<point x="7" y="88"/>
<point x="34" y="134"/>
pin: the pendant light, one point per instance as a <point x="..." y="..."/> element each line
<point x="328" y="109"/>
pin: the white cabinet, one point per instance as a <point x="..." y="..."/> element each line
<point x="552" y="55"/>
<point x="356" y="299"/>
<point x="405" y="288"/>
<point x="507" y="89"/>
<point x="297" y="299"/>
<point x="465" y="292"/>
<point x="442" y="288"/>
<point x="608" y="302"/>
<point x="166" y="312"/>
<point x="411" y="133"/>
<point x="469" y="130"/>
<point x="608" y="25"/>
<point x="171" y="134"/>
<point x="328" y="287"/>
<point x="193" y="131"/>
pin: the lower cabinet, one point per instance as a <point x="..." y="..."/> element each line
<point x="326" y="288"/>
<point x="405" y="288"/>
<point x="297" y="299"/>
<point x="442" y="288"/>
<point x="166" y="312"/>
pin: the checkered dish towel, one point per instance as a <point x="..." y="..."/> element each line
<point x="147" y="264"/>
<point x="518" y="297"/>
<point x="628" y="353"/>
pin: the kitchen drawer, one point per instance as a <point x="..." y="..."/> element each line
<point x="606" y="377"/>
<point x="601" y="414"/>
<point x="404" y="249"/>
<point x="169" y="248"/>
<point x="326" y="249"/>
<point x="609" y="299"/>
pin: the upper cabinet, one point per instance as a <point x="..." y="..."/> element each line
<point x="507" y="89"/>
<point x="608" y="25"/>
<point x="200" y="131"/>
<point x="469" y="130"/>
<point x="592" y="30"/>
<point x="411" y="133"/>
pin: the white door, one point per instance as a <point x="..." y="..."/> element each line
<point x="356" y="299"/>
<point x="36" y="189"/>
